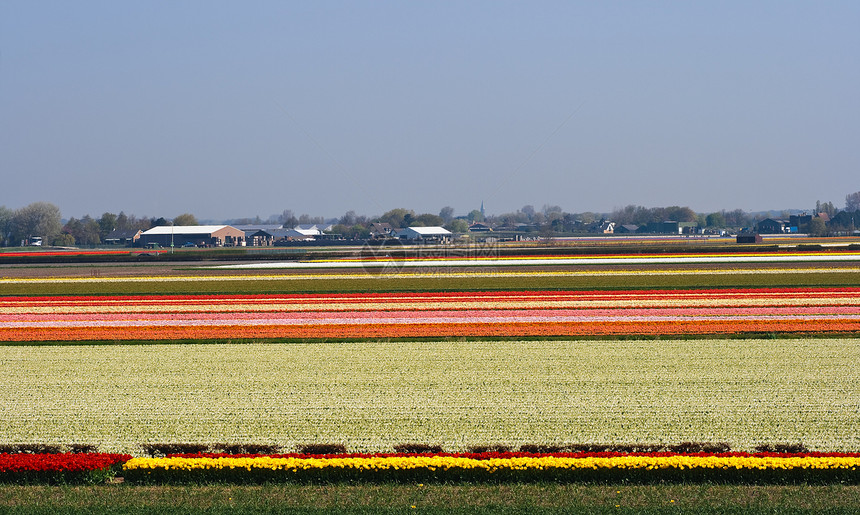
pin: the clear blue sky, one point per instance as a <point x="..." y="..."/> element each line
<point x="236" y="109"/>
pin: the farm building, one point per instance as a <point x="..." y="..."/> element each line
<point x="772" y="226"/>
<point x="626" y="229"/>
<point x="381" y="230"/>
<point x="259" y="235"/>
<point x="198" y="235"/>
<point x="425" y="234"/>
<point x="118" y="237"/>
<point x="313" y="229"/>
<point x="480" y="227"/>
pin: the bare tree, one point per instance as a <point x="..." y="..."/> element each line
<point x="40" y="219"/>
<point x="185" y="219"/>
<point x="825" y="207"/>
<point x="852" y="202"/>
<point x="447" y="214"/>
<point x="7" y="225"/>
<point x="349" y="218"/>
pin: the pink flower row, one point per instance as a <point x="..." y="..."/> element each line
<point x="772" y="311"/>
<point x="396" y="317"/>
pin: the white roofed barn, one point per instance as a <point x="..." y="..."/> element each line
<point x="199" y="235"/>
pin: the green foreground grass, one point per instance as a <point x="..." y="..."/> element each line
<point x="456" y="498"/>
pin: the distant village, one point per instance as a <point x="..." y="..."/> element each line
<point x="265" y="235"/>
<point x="277" y="235"/>
<point x="40" y="224"/>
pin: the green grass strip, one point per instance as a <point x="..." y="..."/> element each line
<point x="453" y="498"/>
<point x="413" y="339"/>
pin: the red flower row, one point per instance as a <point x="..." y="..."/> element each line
<point x="375" y="297"/>
<point x="71" y="462"/>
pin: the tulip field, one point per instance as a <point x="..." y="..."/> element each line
<point x="373" y="395"/>
<point x="749" y="352"/>
<point x="445" y="314"/>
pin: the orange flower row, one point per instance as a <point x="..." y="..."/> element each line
<point x="587" y="328"/>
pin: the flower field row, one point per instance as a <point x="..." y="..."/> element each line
<point x="558" y="260"/>
<point x="59" y="468"/>
<point x="457" y="394"/>
<point x="456" y="314"/>
<point x="431" y="300"/>
<point x="728" y="467"/>
<point x="528" y="468"/>
<point x="428" y="330"/>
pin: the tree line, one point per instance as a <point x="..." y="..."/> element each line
<point x="42" y="220"/>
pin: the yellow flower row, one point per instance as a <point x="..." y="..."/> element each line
<point x="444" y="463"/>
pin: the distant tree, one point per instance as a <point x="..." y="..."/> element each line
<point x="139" y="224"/>
<point x="90" y="232"/>
<point x="37" y="219"/>
<point x="825" y="207"/>
<point x="398" y="218"/>
<point x="186" y="219"/>
<point x="529" y="211"/>
<point x="446" y="214"/>
<point x="715" y="220"/>
<point x="817" y="227"/>
<point x="631" y="214"/>
<point x="680" y="214"/>
<point x="82" y="232"/>
<point x="63" y="240"/>
<point x="306" y="219"/>
<point x="852" y="202"/>
<point x="552" y="216"/>
<point x="288" y="219"/>
<point x="475" y="216"/>
<point x="107" y="224"/>
<point x="348" y="218"/>
<point x="158" y="222"/>
<point x="122" y="222"/>
<point x="428" y="220"/>
<point x="588" y="217"/>
<point x="340" y="229"/>
<point x="549" y="210"/>
<point x="360" y="231"/>
<point x="458" y="225"/>
<point x="737" y="218"/>
<point x="353" y="232"/>
<point x="246" y="221"/>
<point x="7" y="218"/>
<point x="511" y="219"/>
<point x="71" y="230"/>
<point x="126" y="222"/>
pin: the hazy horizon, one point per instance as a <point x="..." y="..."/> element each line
<point x="272" y="217"/>
<point x="234" y="110"/>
